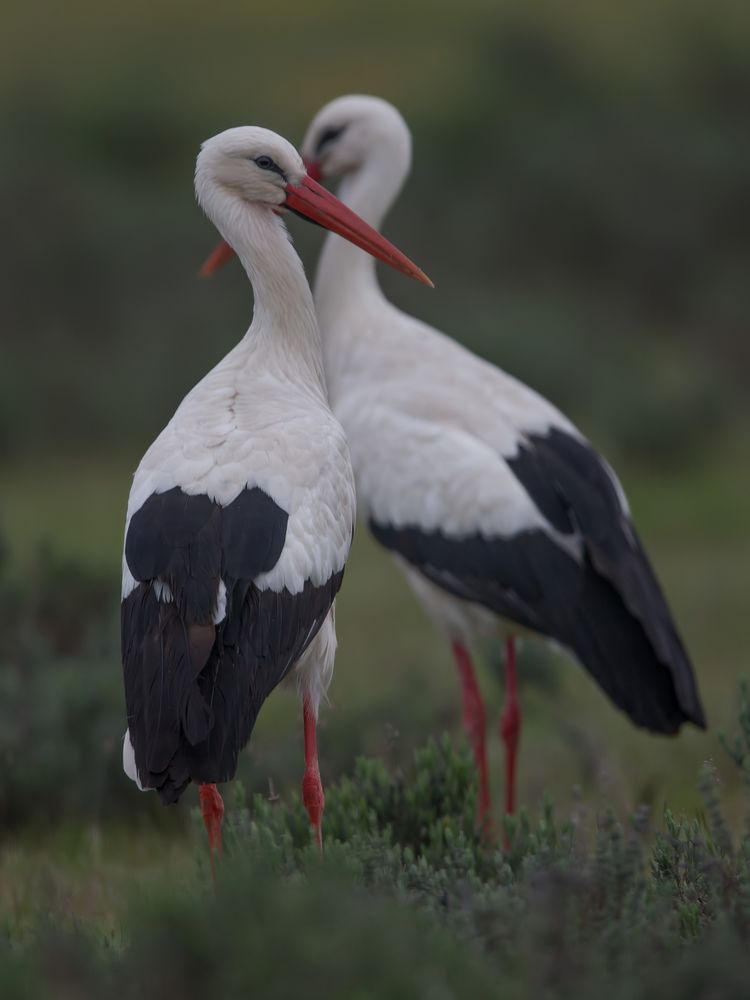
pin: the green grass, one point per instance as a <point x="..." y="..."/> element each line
<point x="409" y="900"/>
<point x="85" y="875"/>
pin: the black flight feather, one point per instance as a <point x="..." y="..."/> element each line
<point x="606" y="607"/>
<point x="194" y="689"/>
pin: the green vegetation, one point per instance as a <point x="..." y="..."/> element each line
<point x="101" y="888"/>
<point x="579" y="177"/>
<point x="409" y="902"/>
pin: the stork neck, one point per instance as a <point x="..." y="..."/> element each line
<point x="343" y="269"/>
<point x="284" y="322"/>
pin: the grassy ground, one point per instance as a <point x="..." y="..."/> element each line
<point x="85" y="876"/>
<point x="409" y="901"/>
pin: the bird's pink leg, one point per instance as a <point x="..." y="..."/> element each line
<point x="474" y="723"/>
<point x="312" y="789"/>
<point x="212" y="809"/>
<point x="510" y="724"/>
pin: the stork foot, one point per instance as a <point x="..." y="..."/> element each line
<point x="475" y="724"/>
<point x="314" y="800"/>
<point x="212" y="809"/>
<point x="510" y="727"/>
<point x="312" y="787"/>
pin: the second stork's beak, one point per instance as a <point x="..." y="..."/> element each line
<point x="219" y="256"/>
<point x="314" y="169"/>
<point x="312" y="201"/>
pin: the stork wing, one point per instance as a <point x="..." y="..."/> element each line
<point x="202" y="644"/>
<point x="565" y="562"/>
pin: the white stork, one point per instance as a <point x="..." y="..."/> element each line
<point x="497" y="508"/>
<point x="241" y="512"/>
<point x="499" y="512"/>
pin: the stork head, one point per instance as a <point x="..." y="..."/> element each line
<point x="351" y="132"/>
<point x="251" y="163"/>
<point x="253" y="166"/>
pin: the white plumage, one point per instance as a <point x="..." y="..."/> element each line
<point x="247" y="425"/>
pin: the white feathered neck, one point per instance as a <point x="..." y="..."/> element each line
<point x="284" y="328"/>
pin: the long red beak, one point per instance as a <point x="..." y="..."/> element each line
<point x="312" y="201"/>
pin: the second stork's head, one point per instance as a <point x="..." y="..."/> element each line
<point x="357" y="133"/>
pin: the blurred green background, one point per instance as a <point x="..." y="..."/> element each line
<point x="579" y="195"/>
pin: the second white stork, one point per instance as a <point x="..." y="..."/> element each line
<point x="499" y="511"/>
<point x="241" y="512"/>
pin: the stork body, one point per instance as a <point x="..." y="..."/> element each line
<point x="499" y="512"/>
<point x="241" y="512"/>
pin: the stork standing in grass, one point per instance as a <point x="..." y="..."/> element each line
<point x="241" y="512"/>
<point x="500" y="513"/>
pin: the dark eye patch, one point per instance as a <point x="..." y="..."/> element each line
<point x="267" y="163"/>
<point x="328" y="135"/>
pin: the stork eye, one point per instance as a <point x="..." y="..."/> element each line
<point x="267" y="163"/>
<point x="328" y="135"/>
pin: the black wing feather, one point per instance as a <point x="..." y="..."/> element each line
<point x="608" y="608"/>
<point x="194" y="689"/>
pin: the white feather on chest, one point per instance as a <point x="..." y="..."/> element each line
<point x="430" y="426"/>
<point x="245" y="425"/>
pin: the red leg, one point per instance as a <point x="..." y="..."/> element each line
<point x="212" y="808"/>
<point x="510" y="724"/>
<point x="474" y="724"/>
<point x="312" y="789"/>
